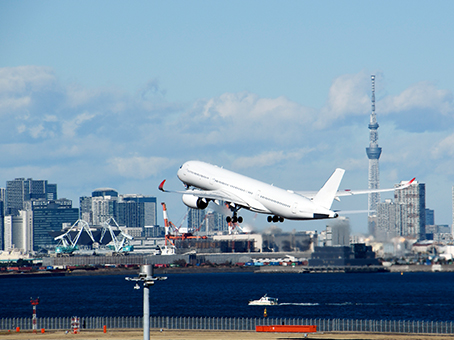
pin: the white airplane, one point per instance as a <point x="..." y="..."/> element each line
<point x="212" y="183"/>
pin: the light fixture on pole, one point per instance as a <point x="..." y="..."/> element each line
<point x="146" y="276"/>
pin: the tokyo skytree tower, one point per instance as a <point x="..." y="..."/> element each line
<point x="373" y="153"/>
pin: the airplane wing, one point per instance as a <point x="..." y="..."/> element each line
<point x="210" y="194"/>
<point x="369" y="191"/>
<point x="311" y="194"/>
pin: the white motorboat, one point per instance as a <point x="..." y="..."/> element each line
<point x="264" y="301"/>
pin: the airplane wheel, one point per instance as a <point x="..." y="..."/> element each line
<point x="228" y="219"/>
<point x="270" y="219"/>
<point x="275" y="219"/>
<point x="234" y="219"/>
<point x="281" y="219"/>
<point x="240" y="219"/>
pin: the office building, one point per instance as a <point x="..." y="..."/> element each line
<point x="430" y="217"/>
<point x="414" y="210"/>
<point x="103" y="205"/>
<point x="2" y="227"/>
<point x="18" y="231"/>
<point x="136" y="211"/>
<point x="338" y="233"/>
<point x="389" y="220"/>
<point x="20" y="190"/>
<point x="50" y="216"/>
<point x="196" y="220"/>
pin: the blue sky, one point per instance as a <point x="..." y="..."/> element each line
<point x="120" y="94"/>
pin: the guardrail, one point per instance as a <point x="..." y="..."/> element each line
<point x="233" y="324"/>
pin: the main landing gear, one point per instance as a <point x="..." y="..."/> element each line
<point x="275" y="219"/>
<point x="235" y="218"/>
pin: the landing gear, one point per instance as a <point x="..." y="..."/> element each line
<point x="235" y="218"/>
<point x="275" y="219"/>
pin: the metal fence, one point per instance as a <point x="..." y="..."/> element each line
<point x="233" y="324"/>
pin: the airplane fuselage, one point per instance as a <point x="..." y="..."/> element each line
<point x="252" y="194"/>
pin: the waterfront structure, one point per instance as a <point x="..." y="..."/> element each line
<point x="357" y="254"/>
<point x="373" y="153"/>
<point x="413" y="199"/>
<point x="20" y="190"/>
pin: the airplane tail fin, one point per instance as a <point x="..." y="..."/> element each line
<point x="327" y="193"/>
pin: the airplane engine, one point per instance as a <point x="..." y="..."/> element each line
<point x="195" y="202"/>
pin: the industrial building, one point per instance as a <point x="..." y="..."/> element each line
<point x="355" y="255"/>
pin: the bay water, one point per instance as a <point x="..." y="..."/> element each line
<point x="378" y="296"/>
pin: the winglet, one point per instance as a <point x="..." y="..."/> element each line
<point x="406" y="185"/>
<point x="161" y="186"/>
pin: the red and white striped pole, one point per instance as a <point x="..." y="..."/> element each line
<point x="34" y="319"/>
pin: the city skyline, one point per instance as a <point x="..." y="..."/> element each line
<point x="121" y="95"/>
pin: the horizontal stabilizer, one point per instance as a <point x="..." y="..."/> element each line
<point x="327" y="193"/>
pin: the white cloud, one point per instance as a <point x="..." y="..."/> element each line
<point x="23" y="79"/>
<point x="269" y="158"/>
<point x="140" y="167"/>
<point x="69" y="127"/>
<point x="423" y="95"/>
<point x="444" y="148"/>
<point x="347" y="96"/>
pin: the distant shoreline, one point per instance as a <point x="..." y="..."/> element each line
<point x="217" y="269"/>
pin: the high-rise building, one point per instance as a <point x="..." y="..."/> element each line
<point x="50" y="216"/>
<point x="373" y="153"/>
<point x="103" y="205"/>
<point x="136" y="211"/>
<point x="430" y="217"/>
<point x="2" y="226"/>
<point x="414" y="214"/>
<point x="21" y="190"/>
<point x="19" y="231"/>
<point x="85" y="211"/>
<point x="196" y="218"/>
<point x="452" y="208"/>
<point x="389" y="220"/>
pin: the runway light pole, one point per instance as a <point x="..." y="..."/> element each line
<point x="146" y="276"/>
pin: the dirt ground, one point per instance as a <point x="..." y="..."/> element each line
<point x="205" y="335"/>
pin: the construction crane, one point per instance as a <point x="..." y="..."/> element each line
<point x="169" y="238"/>
<point x="68" y="244"/>
<point x="119" y="242"/>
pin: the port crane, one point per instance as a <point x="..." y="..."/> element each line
<point x="67" y="243"/>
<point x="119" y="242"/>
<point x="170" y="238"/>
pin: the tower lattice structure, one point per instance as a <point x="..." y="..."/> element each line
<point x="373" y="153"/>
